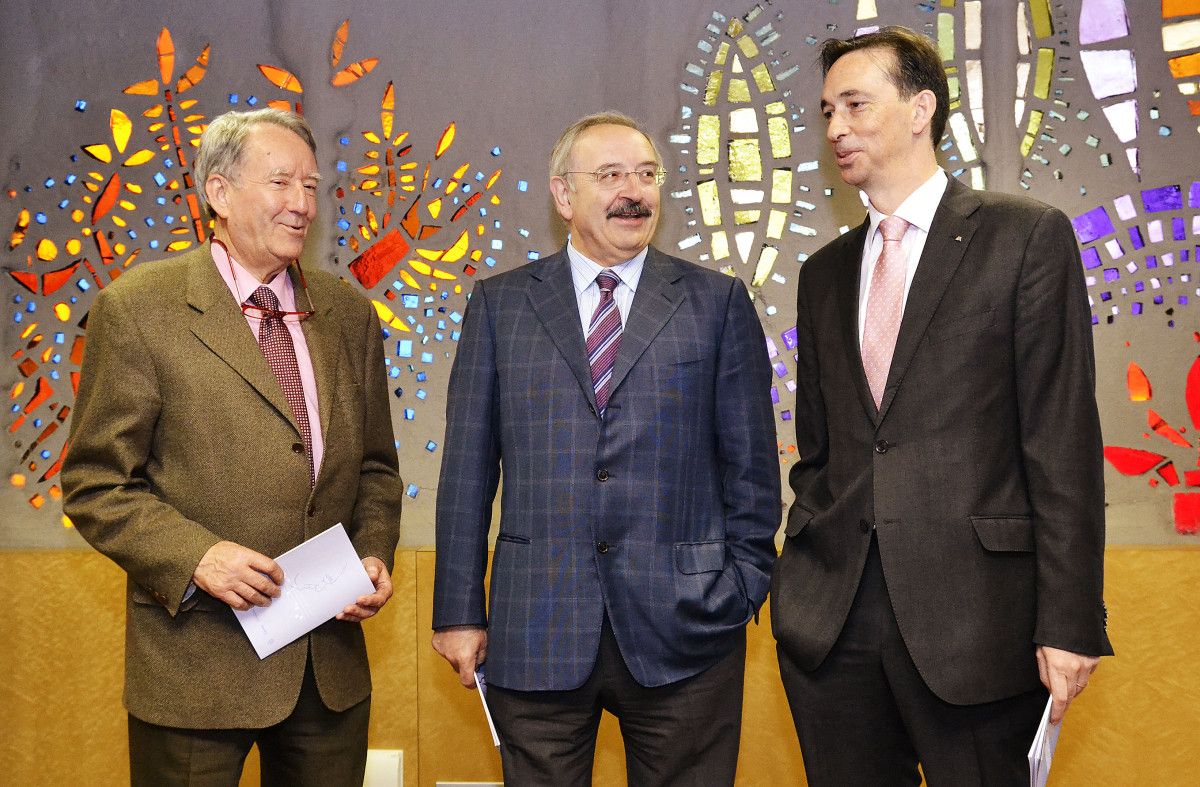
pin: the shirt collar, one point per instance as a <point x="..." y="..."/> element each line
<point x="241" y="282"/>
<point x="584" y="271"/>
<point x="917" y="208"/>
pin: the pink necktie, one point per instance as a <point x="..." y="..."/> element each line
<point x="276" y="344"/>
<point x="604" y="338"/>
<point x="885" y="307"/>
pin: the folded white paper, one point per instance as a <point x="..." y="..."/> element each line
<point x="321" y="577"/>
<point x="1042" y="750"/>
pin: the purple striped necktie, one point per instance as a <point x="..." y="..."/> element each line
<point x="604" y="338"/>
<point x="275" y="341"/>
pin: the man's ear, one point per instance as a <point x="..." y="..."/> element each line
<point x="216" y="188"/>
<point x="924" y="104"/>
<point x="561" y="191"/>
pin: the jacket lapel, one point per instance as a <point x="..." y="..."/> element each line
<point x="323" y="336"/>
<point x="949" y="236"/>
<point x="218" y="322"/>
<point x="654" y="302"/>
<point x="552" y="295"/>
<point x="847" y="294"/>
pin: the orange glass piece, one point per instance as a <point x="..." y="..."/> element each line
<point x="46" y="250"/>
<point x="281" y="78"/>
<point x="445" y="142"/>
<point x="411" y="222"/>
<point x="339" y="43"/>
<point x="148" y="87"/>
<point x="27" y="367"/>
<point x="1172" y="8"/>
<point x="1194" y="106"/>
<point x="280" y="104"/>
<point x="108" y="198"/>
<point x="166" y="55"/>
<point x="40" y="395"/>
<point x="19" y="229"/>
<point x="52" y="281"/>
<point x="1186" y="66"/>
<point x="354" y="72"/>
<point x="26" y="279"/>
<point x="194" y="74"/>
<point x="1137" y="383"/>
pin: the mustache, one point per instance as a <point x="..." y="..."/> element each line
<point x="629" y="209"/>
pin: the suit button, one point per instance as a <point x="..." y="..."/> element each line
<point x="602" y="547"/>
<point x="864" y="525"/>
<point x="297" y="448"/>
<point x="882" y="447"/>
<point x="602" y="475"/>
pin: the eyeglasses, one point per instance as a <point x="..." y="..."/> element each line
<point x="258" y="313"/>
<point x="610" y="179"/>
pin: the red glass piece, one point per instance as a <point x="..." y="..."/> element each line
<point x="44" y="389"/>
<point x="1169" y="473"/>
<point x="1191" y="477"/>
<point x="1187" y="512"/>
<point x="1164" y="429"/>
<point x="1131" y="461"/>
<point x="1192" y="392"/>
<point x="376" y="262"/>
<point x="26" y="279"/>
<point x="52" y="281"/>
<point x="108" y="198"/>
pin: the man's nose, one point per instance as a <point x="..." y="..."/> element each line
<point x="835" y="129"/>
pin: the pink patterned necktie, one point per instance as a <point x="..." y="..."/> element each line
<point x="275" y="341"/>
<point x="885" y="307"/>
<point x="604" y="338"/>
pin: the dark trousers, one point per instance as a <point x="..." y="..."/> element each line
<point x="684" y="733"/>
<point x="312" y="746"/>
<point x="866" y="717"/>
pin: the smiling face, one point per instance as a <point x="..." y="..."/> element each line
<point x="608" y="226"/>
<point x="880" y="140"/>
<point x="265" y="208"/>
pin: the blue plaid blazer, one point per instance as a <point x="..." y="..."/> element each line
<point x="662" y="514"/>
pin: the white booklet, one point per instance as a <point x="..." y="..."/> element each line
<point x="481" y="687"/>
<point x="1042" y="750"/>
<point x="321" y="577"/>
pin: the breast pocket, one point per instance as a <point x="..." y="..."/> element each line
<point x="960" y="325"/>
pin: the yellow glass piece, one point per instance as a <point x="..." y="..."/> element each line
<point x="371" y="154"/>
<point x="430" y="254"/>
<point x="720" y="245"/>
<point x="1040" y="11"/>
<point x="25" y="334"/>
<point x="954" y="88"/>
<point x="446" y="141"/>
<point x="153" y="111"/>
<point x="945" y="36"/>
<point x="708" y="139"/>
<point x="371" y="136"/>
<point x="743" y="121"/>
<point x="17" y="480"/>
<point x="495" y="200"/>
<point x="372" y="222"/>
<point x="739" y="91"/>
<point x="745" y="160"/>
<point x="866" y="10"/>
<point x="947" y="3"/>
<point x="781" y="185"/>
<point x="119" y="248"/>
<point x="435" y="207"/>
<point x="722" y="54"/>
<point x="193" y="118"/>
<point x="408" y="165"/>
<point x="120" y="222"/>
<point x="781" y="138"/>
<point x="775" y="222"/>
<point x="147" y="87"/>
<point x="127" y="205"/>
<point x="492" y="180"/>
<point x="46" y="250"/>
<point x="748" y="47"/>
<point x="369" y="169"/>
<point x="139" y="158"/>
<point x="364" y="231"/>
<point x="766" y="262"/>
<point x="456" y="252"/>
<point x="73" y="246"/>
<point x="387" y="315"/>
<point x="387" y="110"/>
<point x="423" y="268"/>
<point x="710" y="202"/>
<point x="188" y="103"/>
<point x="762" y="78"/>
<point x="735" y="28"/>
<point x="121" y="127"/>
<point x="403" y="135"/>
<point x="409" y="280"/>
<point x="66" y="522"/>
<point x="77" y="216"/>
<point x="369" y="185"/>
<point x="458" y="173"/>
<point x="99" y="152"/>
<point x="179" y="245"/>
<point x="62" y="311"/>
<point x="154" y="127"/>
<point x="1045" y="70"/>
<point x="776" y="108"/>
<point x="1035" y="122"/>
<point x="713" y="89"/>
<point x="746" y="216"/>
<point x="133" y="188"/>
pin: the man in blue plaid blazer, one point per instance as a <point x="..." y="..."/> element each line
<point x="641" y="486"/>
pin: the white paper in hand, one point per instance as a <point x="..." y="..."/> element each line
<point x="320" y="578"/>
<point x="1042" y="750"/>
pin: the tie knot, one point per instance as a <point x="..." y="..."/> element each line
<point x="893" y="228"/>
<point x="607" y="282"/>
<point x="264" y="298"/>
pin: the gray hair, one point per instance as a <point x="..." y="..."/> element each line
<point x="561" y="154"/>
<point x="224" y="141"/>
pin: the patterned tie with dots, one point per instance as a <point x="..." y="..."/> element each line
<point x="604" y="338"/>
<point x="885" y="307"/>
<point x="276" y="343"/>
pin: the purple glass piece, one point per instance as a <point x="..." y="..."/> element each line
<point x="1183" y="255"/>
<point x="1102" y="20"/>
<point x="1151" y="261"/>
<point x="1111" y="275"/>
<point x="1158" y="300"/>
<point x="789" y="337"/>
<point x="774" y="394"/>
<point x="1139" y="286"/>
<point x="781" y="369"/>
<point x="1091" y="257"/>
<point x="1194" y="195"/>
<point x="1137" y="308"/>
<point x="1178" y="230"/>
<point x="1162" y="198"/>
<point x="1135" y="237"/>
<point x="1093" y="224"/>
<point x="1183" y="300"/>
<point x="1106" y="296"/>
<point x="786" y="415"/>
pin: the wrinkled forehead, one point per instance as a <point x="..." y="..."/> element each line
<point x="612" y="145"/>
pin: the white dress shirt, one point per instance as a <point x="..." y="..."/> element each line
<point x="587" y="292"/>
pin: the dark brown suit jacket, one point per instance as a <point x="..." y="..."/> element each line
<point x="181" y="437"/>
<point x="980" y="474"/>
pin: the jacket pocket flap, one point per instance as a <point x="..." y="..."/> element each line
<point x="700" y="556"/>
<point x="1004" y="533"/>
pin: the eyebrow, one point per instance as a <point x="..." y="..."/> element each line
<point x="850" y="93"/>
<point x="289" y="174"/>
